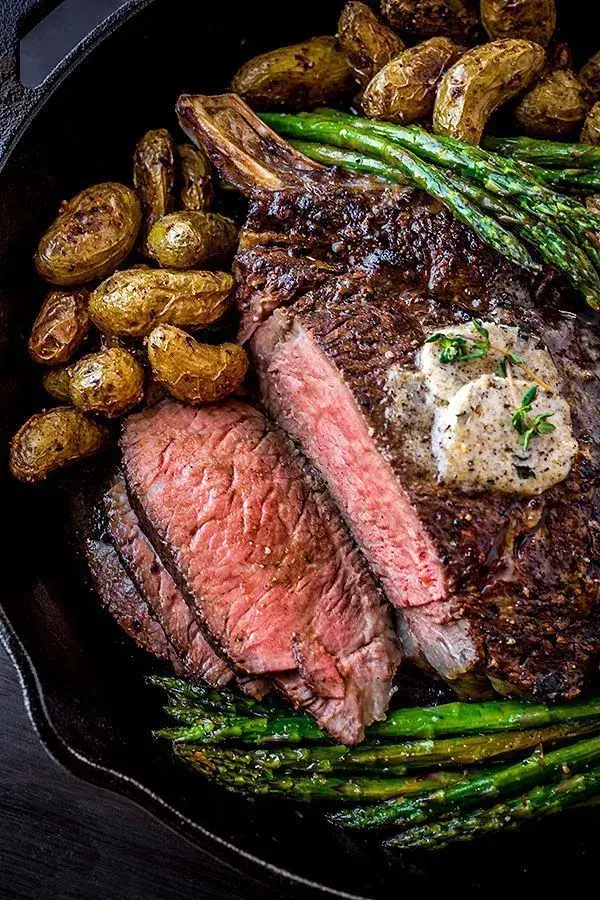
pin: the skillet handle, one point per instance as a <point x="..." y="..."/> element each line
<point x="17" y="102"/>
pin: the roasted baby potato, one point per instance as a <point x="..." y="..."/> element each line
<point x="553" y="107"/>
<point x="129" y="304"/>
<point x="421" y="19"/>
<point x="154" y="175"/>
<point x="297" y="77"/>
<point x="367" y="42"/>
<point x="194" y="372"/>
<point x="404" y="90"/>
<point x="60" y="326"/>
<point x="196" y="191"/>
<point x="56" y="382"/>
<point x="590" y="133"/>
<point x="91" y="235"/>
<point x="182" y="240"/>
<point x="590" y="78"/>
<point x="53" y="439"/>
<point x="481" y="81"/>
<point x="531" y="20"/>
<point x="109" y="382"/>
<point x="593" y="203"/>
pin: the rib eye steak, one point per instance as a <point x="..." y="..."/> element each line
<point x="349" y="278"/>
<point x="263" y="557"/>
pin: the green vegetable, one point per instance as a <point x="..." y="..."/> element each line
<point x="473" y="789"/>
<point x="455" y="348"/>
<point x="545" y="153"/>
<point x="526" y="426"/>
<point x="543" y="800"/>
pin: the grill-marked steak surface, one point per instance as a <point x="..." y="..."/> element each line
<point x="260" y="552"/>
<point x="493" y="586"/>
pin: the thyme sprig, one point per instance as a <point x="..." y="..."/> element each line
<point x="527" y="426"/>
<point x="455" y="348"/>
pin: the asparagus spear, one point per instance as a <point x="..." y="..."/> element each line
<point x="543" y="800"/>
<point x="545" y="153"/>
<point x="505" y="177"/>
<point x="582" y="181"/>
<point x="314" y="787"/>
<point x="473" y="789"/>
<point x="189" y="695"/>
<point x="418" y="722"/>
<point x="551" y="244"/>
<point x="345" y="134"/>
<point x="393" y="759"/>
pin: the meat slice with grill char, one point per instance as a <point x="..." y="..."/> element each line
<point x="259" y="551"/>
<point x="349" y="279"/>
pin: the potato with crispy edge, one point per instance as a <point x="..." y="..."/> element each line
<point x="183" y="240"/>
<point x="590" y="133"/>
<point x="297" y="77"/>
<point x="154" y="175"/>
<point x="56" y="383"/>
<point x="479" y="82"/>
<point x="589" y="75"/>
<point x="553" y="107"/>
<point x="196" y="192"/>
<point x="130" y="304"/>
<point x="404" y="90"/>
<point x="53" y="439"/>
<point x="367" y="42"/>
<point x="91" y="236"/>
<point x="60" y="327"/>
<point x="422" y="19"/>
<point x="194" y="372"/>
<point x="108" y="382"/>
<point x="531" y="20"/>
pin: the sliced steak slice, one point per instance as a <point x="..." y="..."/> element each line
<point x="120" y="597"/>
<point x="160" y="591"/>
<point x="259" y="550"/>
<point x="493" y="587"/>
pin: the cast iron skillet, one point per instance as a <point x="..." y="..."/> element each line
<point x="82" y="681"/>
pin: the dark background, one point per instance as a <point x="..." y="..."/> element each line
<point x="62" y="838"/>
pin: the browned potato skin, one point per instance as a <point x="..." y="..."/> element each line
<point x="479" y="82"/>
<point x="404" y="90"/>
<point x="197" y="192"/>
<point x="56" y="382"/>
<point x="154" y="175"/>
<point x="53" y="439"/>
<point x="590" y="133"/>
<point x="130" y="304"/>
<point x="193" y="372"/>
<point x="553" y="108"/>
<point x="183" y="240"/>
<point x="91" y="236"/>
<point x="590" y="78"/>
<point x="108" y="383"/>
<point x="60" y="327"/>
<point x="297" y="77"/>
<point x="531" y="20"/>
<point x="367" y="42"/>
<point x="422" y="19"/>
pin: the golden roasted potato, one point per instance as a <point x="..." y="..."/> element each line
<point x="298" y="76"/>
<point x="593" y="203"/>
<point x="404" y="90"/>
<point x="531" y="20"/>
<point x="91" y="235"/>
<point x="589" y="76"/>
<point x="553" y="107"/>
<point x="590" y="133"/>
<point x="129" y="304"/>
<point x="56" y="382"/>
<point x="183" y="240"/>
<point x="421" y="19"/>
<point x="194" y="372"/>
<point x="109" y="382"/>
<point x="481" y="81"/>
<point x="154" y="175"/>
<point x="367" y="42"/>
<point x="60" y="326"/>
<point x="53" y="439"/>
<point x="197" y="191"/>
